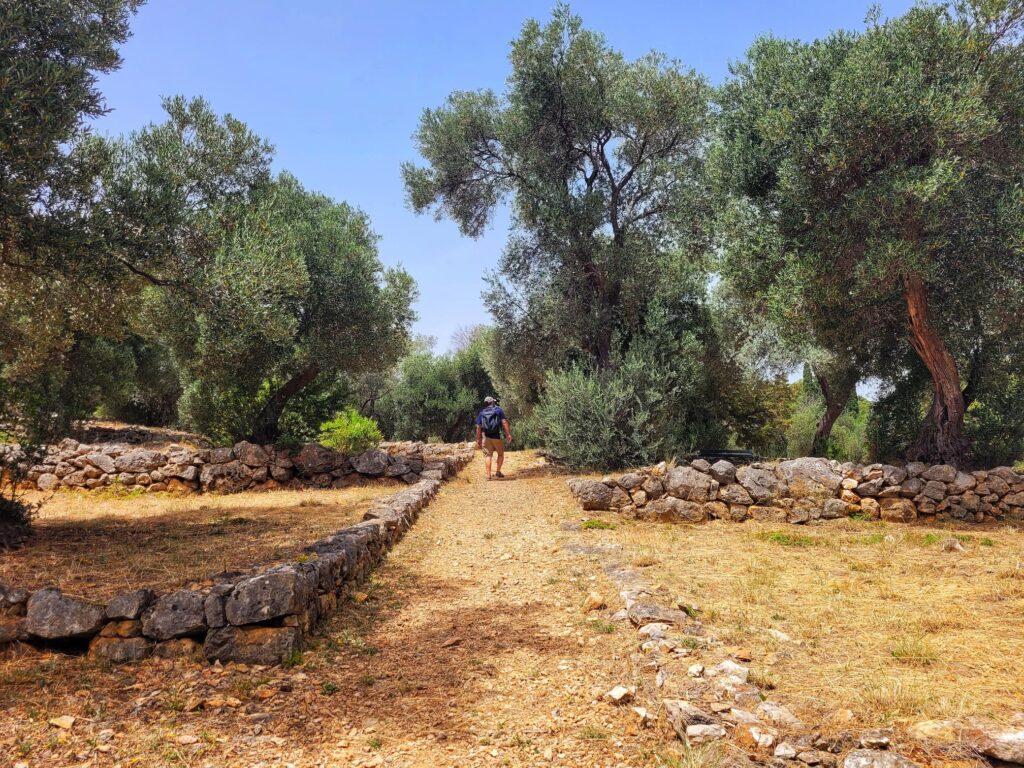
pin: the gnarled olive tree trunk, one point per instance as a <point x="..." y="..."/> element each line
<point x="941" y="438"/>
<point x="265" y="429"/>
<point x="837" y="385"/>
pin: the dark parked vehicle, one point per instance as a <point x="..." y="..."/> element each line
<point x="736" y="457"/>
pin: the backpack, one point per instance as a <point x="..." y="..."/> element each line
<point x="490" y="422"/>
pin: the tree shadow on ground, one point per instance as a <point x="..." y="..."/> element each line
<point x="97" y="557"/>
<point x="422" y="673"/>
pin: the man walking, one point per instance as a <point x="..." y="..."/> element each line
<point x="489" y="424"/>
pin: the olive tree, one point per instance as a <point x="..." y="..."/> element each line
<point x="887" y="163"/>
<point x="599" y="157"/>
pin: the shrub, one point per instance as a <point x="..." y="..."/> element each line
<point x="350" y="432"/>
<point x="594" y="420"/>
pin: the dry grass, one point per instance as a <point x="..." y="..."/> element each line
<point x="95" y="544"/>
<point x="883" y="621"/>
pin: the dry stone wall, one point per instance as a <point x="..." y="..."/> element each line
<point x="244" y="466"/>
<point x="257" y="617"/>
<point x="806" y="489"/>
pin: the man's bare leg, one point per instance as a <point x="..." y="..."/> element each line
<point x="501" y="460"/>
<point x="488" y="464"/>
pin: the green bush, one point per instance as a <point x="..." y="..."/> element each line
<point x="350" y="432"/>
<point x="594" y="420"/>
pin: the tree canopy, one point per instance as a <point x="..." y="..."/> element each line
<point x="885" y="165"/>
<point x="599" y="157"/>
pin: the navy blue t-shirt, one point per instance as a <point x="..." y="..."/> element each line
<point x="501" y="418"/>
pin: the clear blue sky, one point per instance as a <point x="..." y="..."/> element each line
<point x="338" y="87"/>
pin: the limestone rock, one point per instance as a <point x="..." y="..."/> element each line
<point x="810" y="477"/>
<point x="130" y="605"/>
<point x="53" y="616"/>
<point x="688" y="484"/>
<point x="620" y="694"/>
<point x="252" y="645"/>
<point x="933" y="489"/>
<point x="874" y="758"/>
<point x="871" y="487"/>
<point x="251" y="455"/>
<point x="767" y="514"/>
<point x="702" y="734"/>
<point x="731" y="669"/>
<point x="761" y="484"/>
<point x="139" y="460"/>
<point x="314" y="459"/>
<point x="653" y="487"/>
<point x="786" y="751"/>
<point x="723" y="471"/>
<point x="592" y="495"/>
<point x="672" y="509"/>
<point x="777" y="715"/>
<point x="836" y="508"/>
<point x="734" y="494"/>
<point x="1004" y="745"/>
<point x="47" y="481"/>
<point x="373" y="462"/>
<point x="893" y="475"/>
<point x="120" y="649"/>
<point x="946" y="731"/>
<point x="278" y="592"/>
<point x="620" y="498"/>
<point x="898" y="510"/>
<point x="943" y="473"/>
<point x="631" y="481"/>
<point x="682" y="714"/>
<point x="102" y="462"/>
<point x="962" y="483"/>
<point x="178" y="614"/>
<point x="649" y="613"/>
<point x="750" y="736"/>
<point x="871" y="509"/>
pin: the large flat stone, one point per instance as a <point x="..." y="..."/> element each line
<point x="252" y="645"/>
<point x="279" y="592"/>
<point x="688" y="484"/>
<point x="178" y="614"/>
<point x="810" y="478"/>
<point x="120" y="649"/>
<point x="53" y="616"/>
<point x="130" y="605"/>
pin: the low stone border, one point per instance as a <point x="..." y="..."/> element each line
<point x="258" y="617"/>
<point x="244" y="466"/>
<point x="806" y="489"/>
<point x="704" y="704"/>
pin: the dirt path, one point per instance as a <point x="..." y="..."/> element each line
<point x="485" y="655"/>
<point x="469" y="647"/>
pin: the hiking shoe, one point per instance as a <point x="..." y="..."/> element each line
<point x="498" y="474"/>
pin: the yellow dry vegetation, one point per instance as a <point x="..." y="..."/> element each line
<point x="883" y="619"/>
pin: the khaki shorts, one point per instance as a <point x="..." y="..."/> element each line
<point x="492" y="444"/>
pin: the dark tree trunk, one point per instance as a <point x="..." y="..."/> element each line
<point x="837" y="388"/>
<point x="265" y="429"/>
<point x="941" y="438"/>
